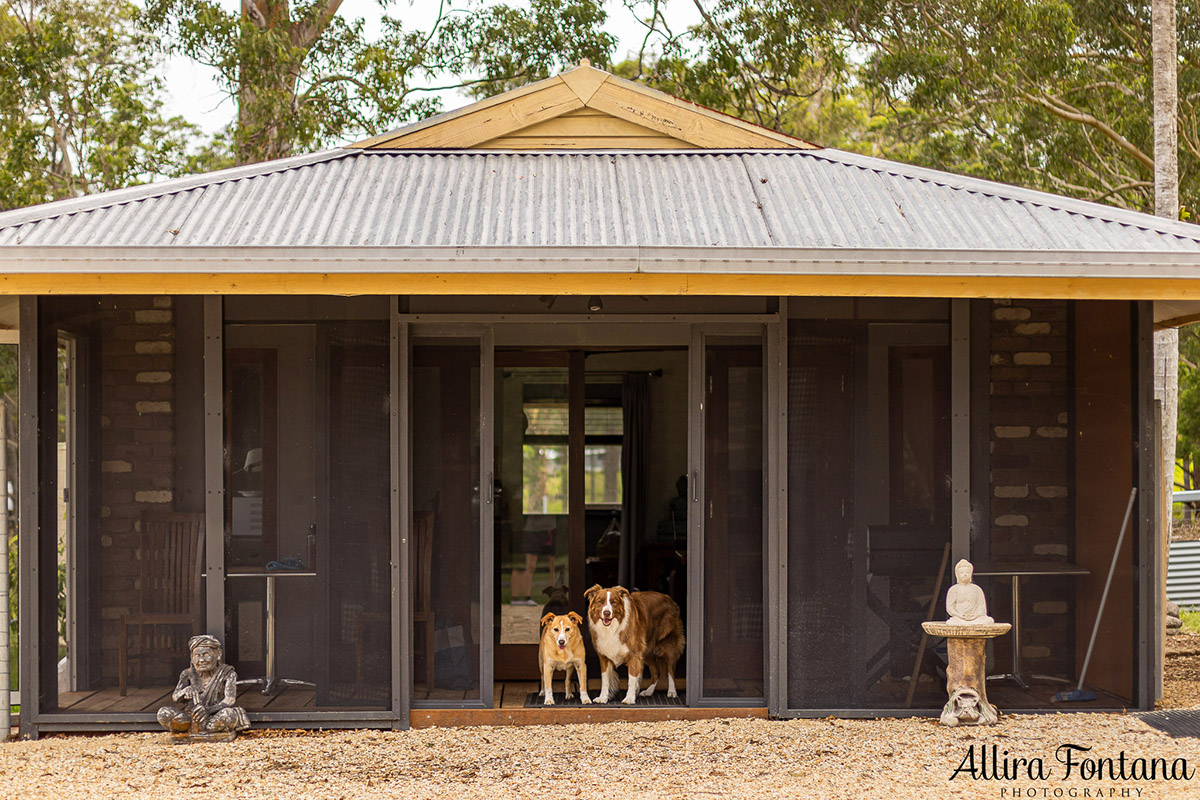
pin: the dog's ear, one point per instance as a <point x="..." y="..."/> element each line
<point x="549" y="590"/>
<point x="566" y="589"/>
<point x="588" y="594"/>
<point x="546" y="619"/>
<point x="621" y="592"/>
<point x="573" y="616"/>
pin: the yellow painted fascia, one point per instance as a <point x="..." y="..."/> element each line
<point x="581" y="283"/>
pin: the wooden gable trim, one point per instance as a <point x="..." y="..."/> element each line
<point x="504" y="121"/>
<point x="694" y="124"/>
<point x="476" y="125"/>
<point x="586" y="129"/>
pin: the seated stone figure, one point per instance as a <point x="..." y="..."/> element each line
<point x="209" y="690"/>
<point x="965" y="602"/>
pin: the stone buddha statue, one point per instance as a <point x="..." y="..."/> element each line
<point x="209" y="690"/>
<point x="965" y="602"/>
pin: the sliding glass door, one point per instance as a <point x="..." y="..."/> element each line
<point x="728" y="520"/>
<point x="450" y="520"/>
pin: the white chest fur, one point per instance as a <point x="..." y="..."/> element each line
<point x="607" y="638"/>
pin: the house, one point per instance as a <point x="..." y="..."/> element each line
<point x="353" y="411"/>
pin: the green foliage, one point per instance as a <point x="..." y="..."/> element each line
<point x="1191" y="620"/>
<point x="303" y="77"/>
<point x="81" y="109"/>
<point x="506" y="47"/>
<point x="1049" y="94"/>
<point x="1187" y="447"/>
<point x="9" y="366"/>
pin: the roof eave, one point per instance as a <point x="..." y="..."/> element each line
<point x="1080" y="264"/>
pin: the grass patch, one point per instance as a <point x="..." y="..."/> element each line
<point x="1191" y="620"/>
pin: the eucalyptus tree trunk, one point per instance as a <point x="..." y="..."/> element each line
<point x="273" y="49"/>
<point x="1166" y="204"/>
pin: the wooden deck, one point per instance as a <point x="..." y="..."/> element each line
<point x="508" y="706"/>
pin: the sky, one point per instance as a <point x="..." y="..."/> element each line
<point x="192" y="91"/>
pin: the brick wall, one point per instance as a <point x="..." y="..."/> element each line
<point x="137" y="445"/>
<point x="1031" y="505"/>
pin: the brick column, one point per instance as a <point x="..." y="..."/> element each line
<point x="1031" y="506"/>
<point x="137" y="444"/>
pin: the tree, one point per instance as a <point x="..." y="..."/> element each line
<point x="1166" y="204"/>
<point x="303" y="77"/>
<point x="81" y="109"/>
<point x="1051" y="94"/>
<point x="497" y="48"/>
<point x="787" y="66"/>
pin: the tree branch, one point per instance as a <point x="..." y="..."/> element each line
<point x="251" y="11"/>
<point x="303" y="35"/>
<point x="1069" y="113"/>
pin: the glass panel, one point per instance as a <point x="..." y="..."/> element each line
<point x="446" y="521"/>
<point x="865" y="534"/>
<point x="602" y="478"/>
<point x="123" y="482"/>
<point x="307" y="513"/>
<point x="357" y="588"/>
<point x="603" y="421"/>
<point x="733" y="522"/>
<point x="920" y="455"/>
<point x="821" y="576"/>
<point x="65" y="653"/>
<point x="9" y="460"/>
<point x="532" y="426"/>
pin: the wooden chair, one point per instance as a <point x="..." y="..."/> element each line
<point x="423" y="586"/>
<point x="172" y="559"/>
<point x="908" y="554"/>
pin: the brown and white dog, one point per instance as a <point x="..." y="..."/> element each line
<point x="562" y="648"/>
<point x="634" y="629"/>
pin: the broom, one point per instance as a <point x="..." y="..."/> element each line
<point x="1080" y="694"/>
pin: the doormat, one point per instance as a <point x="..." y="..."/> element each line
<point x="657" y="700"/>
<point x="1179" y="724"/>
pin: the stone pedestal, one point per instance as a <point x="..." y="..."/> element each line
<point x="966" y="681"/>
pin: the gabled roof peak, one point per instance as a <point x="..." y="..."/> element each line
<point x="584" y="108"/>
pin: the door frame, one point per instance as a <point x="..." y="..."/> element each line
<point x="701" y="333"/>
<point x="524" y="656"/>
<point x="409" y="333"/>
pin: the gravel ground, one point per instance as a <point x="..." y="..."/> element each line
<point x="716" y="758"/>
<point x="911" y="758"/>
<point x="1181" y="672"/>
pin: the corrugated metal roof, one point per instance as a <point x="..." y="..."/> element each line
<point x="744" y="199"/>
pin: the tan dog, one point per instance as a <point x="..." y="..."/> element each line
<point x="635" y="629"/>
<point x="562" y="648"/>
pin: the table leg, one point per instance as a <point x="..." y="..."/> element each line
<point x="269" y="680"/>
<point x="1015" y="670"/>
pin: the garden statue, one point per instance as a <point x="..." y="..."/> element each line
<point x="966" y="633"/>
<point x="965" y="602"/>
<point x="967" y="708"/>
<point x="209" y="689"/>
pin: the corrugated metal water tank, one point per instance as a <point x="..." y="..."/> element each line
<point x="1183" y="574"/>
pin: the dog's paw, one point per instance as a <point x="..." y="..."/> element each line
<point x="602" y="698"/>
<point x="583" y="698"/>
<point x="630" y="699"/>
<point x="648" y="691"/>
<point x="672" y="693"/>
<point x="549" y="700"/>
<point x="568" y="695"/>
